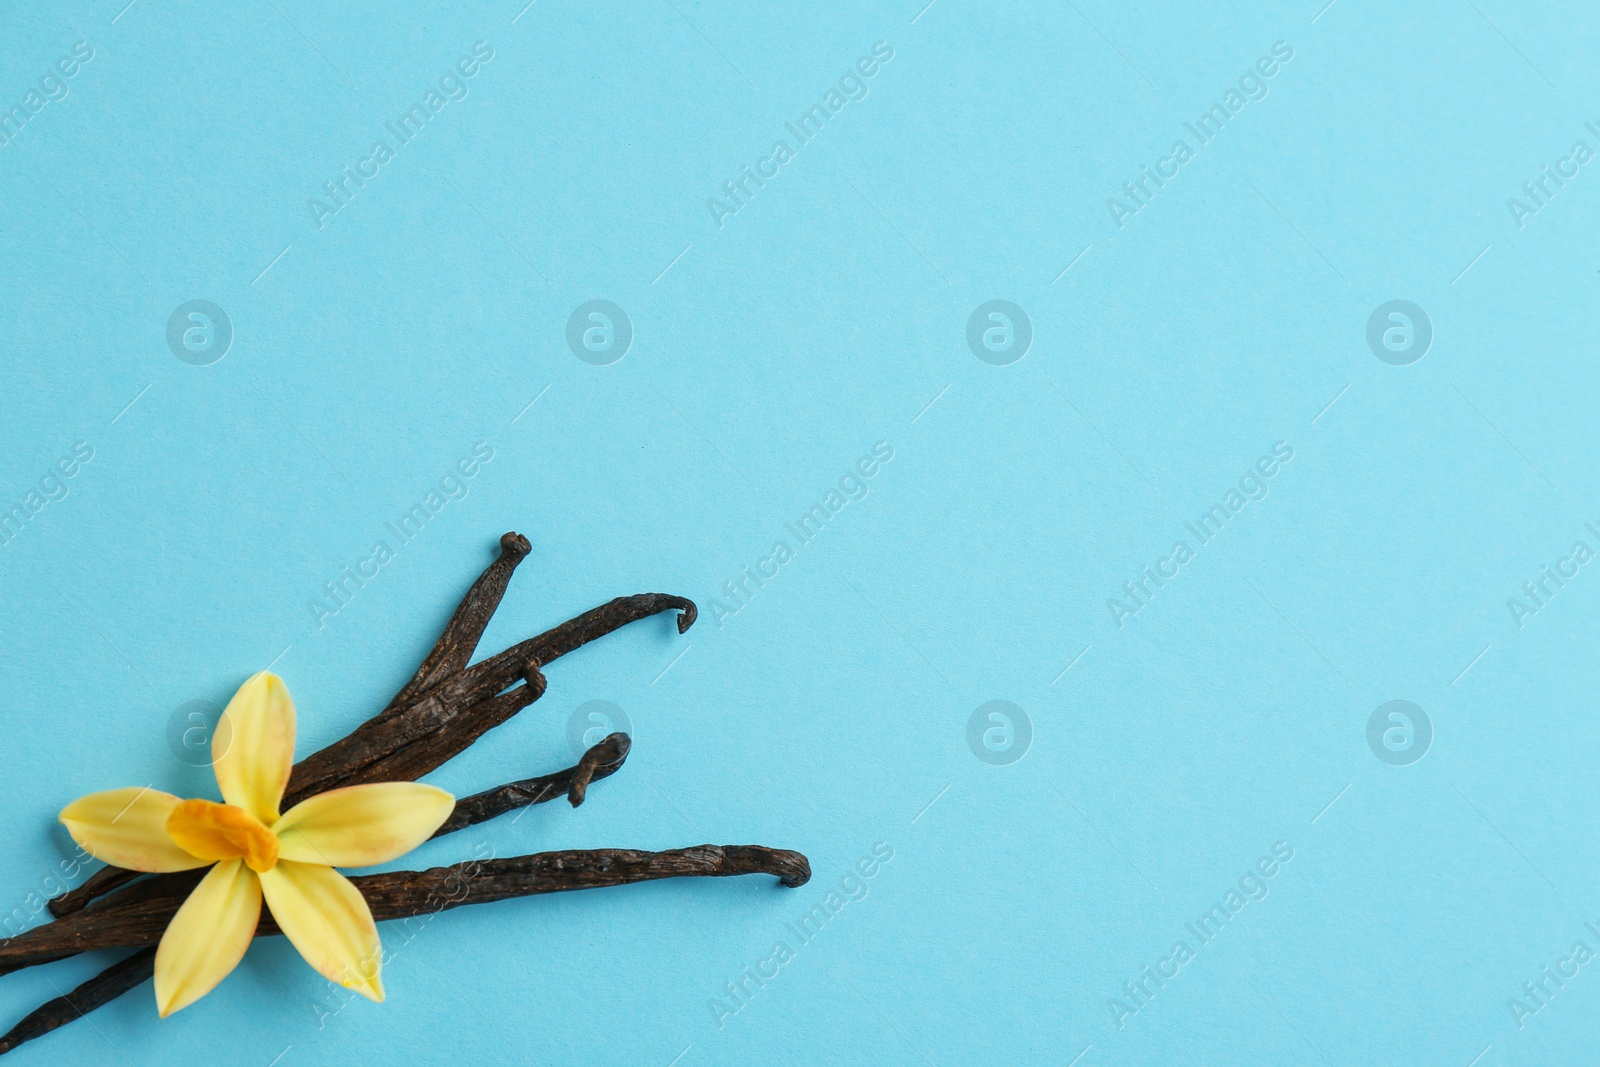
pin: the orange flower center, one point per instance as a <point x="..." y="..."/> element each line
<point x="213" y="831"/>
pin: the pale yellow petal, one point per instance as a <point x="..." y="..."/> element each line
<point x="128" y="828"/>
<point x="208" y="937"/>
<point x="362" y="824"/>
<point x="254" y="754"/>
<point x="325" y="917"/>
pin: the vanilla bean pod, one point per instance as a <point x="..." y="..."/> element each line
<point x="601" y="761"/>
<point x="146" y="908"/>
<point x="100" y="882"/>
<point x="440" y="711"/>
<point x="441" y="708"/>
<point x="453" y="651"/>
<point x="433" y="751"/>
<point x="98" y="991"/>
<point x="402" y="894"/>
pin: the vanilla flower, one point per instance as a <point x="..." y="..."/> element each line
<point x="254" y="852"/>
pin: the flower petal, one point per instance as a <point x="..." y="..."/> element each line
<point x="362" y="824"/>
<point x="208" y="936"/>
<point x="326" y="918"/>
<point x="257" y="747"/>
<point x="128" y="828"/>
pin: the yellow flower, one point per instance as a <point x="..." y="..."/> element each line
<point x="288" y="858"/>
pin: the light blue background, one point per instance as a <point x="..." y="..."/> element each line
<point x="769" y="354"/>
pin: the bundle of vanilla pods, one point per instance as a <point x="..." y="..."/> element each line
<point x="442" y="710"/>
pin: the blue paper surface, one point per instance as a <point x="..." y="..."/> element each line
<point x="1170" y="571"/>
